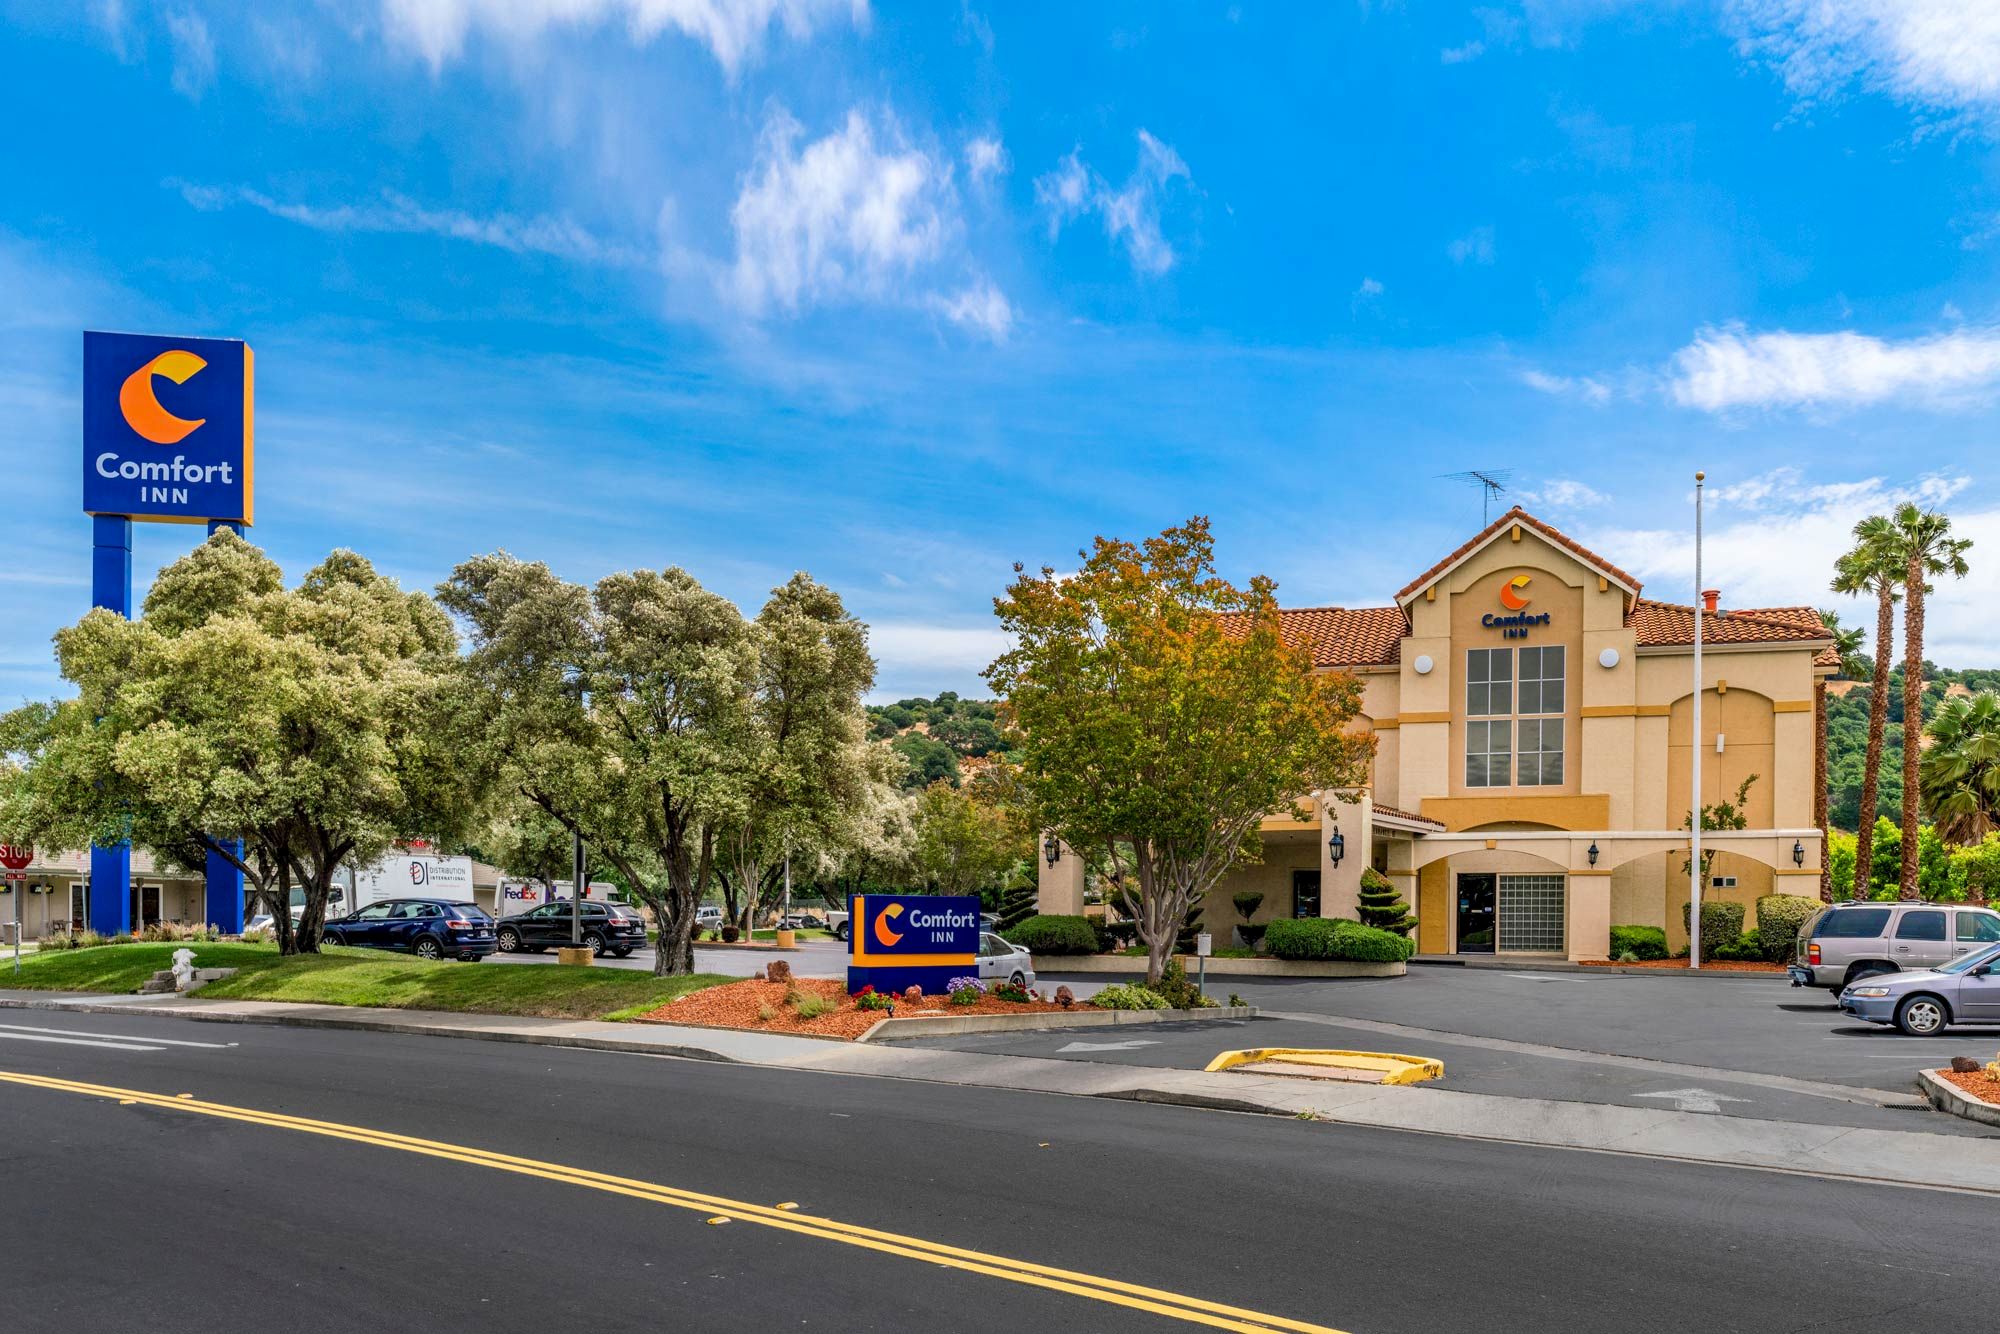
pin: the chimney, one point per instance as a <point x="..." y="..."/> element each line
<point x="1708" y="598"/>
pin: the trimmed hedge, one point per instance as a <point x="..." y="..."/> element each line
<point x="1129" y="996"/>
<point x="1335" y="938"/>
<point x="1721" y="926"/>
<point x="1780" y="918"/>
<point x="1054" y="933"/>
<point x="1641" y="942"/>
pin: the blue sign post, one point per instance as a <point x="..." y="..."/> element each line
<point x="167" y="438"/>
<point x="897" y="941"/>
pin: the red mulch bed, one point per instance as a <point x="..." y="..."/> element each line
<point x="1979" y="1084"/>
<point x="1708" y="966"/>
<point x="747" y="1004"/>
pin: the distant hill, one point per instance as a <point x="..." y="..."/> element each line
<point x="941" y="738"/>
<point x="1847" y="736"/>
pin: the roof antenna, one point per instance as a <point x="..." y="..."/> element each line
<point x="1491" y="483"/>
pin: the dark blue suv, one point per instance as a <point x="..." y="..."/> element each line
<point x="427" y="928"/>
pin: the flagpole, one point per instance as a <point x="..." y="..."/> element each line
<point x="1694" y="795"/>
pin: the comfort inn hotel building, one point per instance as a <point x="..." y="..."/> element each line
<point x="1532" y="715"/>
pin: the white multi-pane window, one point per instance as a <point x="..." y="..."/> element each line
<point x="1514" y="720"/>
<point x="1531" y="913"/>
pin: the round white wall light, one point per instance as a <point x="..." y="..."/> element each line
<point x="1608" y="658"/>
<point x="1423" y="664"/>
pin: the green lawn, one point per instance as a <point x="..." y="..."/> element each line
<point x="367" y="977"/>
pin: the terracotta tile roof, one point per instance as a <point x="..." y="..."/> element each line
<point x="1671" y="624"/>
<point x="1345" y="636"/>
<point x="1391" y="811"/>
<point x="1827" y="657"/>
<point x="1519" y="515"/>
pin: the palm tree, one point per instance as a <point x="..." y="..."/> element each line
<point x="1928" y="549"/>
<point x="1961" y="767"/>
<point x="1847" y="645"/>
<point x="1874" y="565"/>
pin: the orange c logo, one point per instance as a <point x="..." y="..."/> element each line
<point x="142" y="409"/>
<point x="1511" y="596"/>
<point x="887" y="938"/>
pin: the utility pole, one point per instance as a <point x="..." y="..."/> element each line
<point x="1694" y="796"/>
<point x="576" y="893"/>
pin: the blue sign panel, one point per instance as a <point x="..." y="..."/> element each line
<point x="167" y="427"/>
<point x="896" y="941"/>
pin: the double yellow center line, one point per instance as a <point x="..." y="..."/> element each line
<point x="1193" y="1310"/>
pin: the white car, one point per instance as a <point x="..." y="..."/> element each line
<point x="1005" y="962"/>
<point x="708" y="917"/>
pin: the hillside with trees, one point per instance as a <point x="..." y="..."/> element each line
<point x="941" y="739"/>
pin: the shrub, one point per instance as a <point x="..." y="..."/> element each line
<point x="1247" y="902"/>
<point x="1007" y="991"/>
<point x="1175" y="987"/>
<point x="1382" y="906"/>
<point x="765" y="1014"/>
<point x="1050" y="933"/>
<point x="870" y="999"/>
<point x="1780" y="918"/>
<point x="1336" y="938"/>
<point x="1641" y="942"/>
<point x="1721" y="925"/>
<point x="123" y="938"/>
<point x="964" y="991"/>
<point x="1128" y="996"/>
<point x="1114" y="936"/>
<point x="729" y="934"/>
<point x="1746" y="948"/>
<point x="810" y="1006"/>
<point x="261" y="935"/>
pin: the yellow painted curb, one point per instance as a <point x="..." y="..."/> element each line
<point x="1395" y="1068"/>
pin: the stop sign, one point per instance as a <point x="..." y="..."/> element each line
<point x="15" y="858"/>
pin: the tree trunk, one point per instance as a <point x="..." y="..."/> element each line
<point x="1878" y="726"/>
<point x="1913" y="717"/>
<point x="1819" y="790"/>
<point x="288" y="939"/>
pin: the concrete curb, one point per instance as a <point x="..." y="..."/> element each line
<point x="1949" y="1097"/>
<point x="891" y="1030"/>
<point x="1132" y="966"/>
<point x="1557" y="966"/>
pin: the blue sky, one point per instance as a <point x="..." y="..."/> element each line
<point x="901" y="294"/>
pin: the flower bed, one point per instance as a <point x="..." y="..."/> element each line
<point x="774" y="1007"/>
<point x="1707" y="965"/>
<point x="1977" y="1083"/>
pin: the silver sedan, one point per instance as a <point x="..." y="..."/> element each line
<point x="1924" y="1002"/>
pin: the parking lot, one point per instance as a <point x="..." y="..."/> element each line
<point x="1731" y="1046"/>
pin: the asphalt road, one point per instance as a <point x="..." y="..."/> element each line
<point x="170" y="1214"/>
<point x="1736" y="1047"/>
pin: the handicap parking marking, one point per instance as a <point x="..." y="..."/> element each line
<point x="125" y="1041"/>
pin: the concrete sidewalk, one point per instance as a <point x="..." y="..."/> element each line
<point x="1895" y="1157"/>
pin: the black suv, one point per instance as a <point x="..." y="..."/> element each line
<point x="608" y="928"/>
<point x="427" y="928"/>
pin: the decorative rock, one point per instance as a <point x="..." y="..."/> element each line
<point x="1964" y="1065"/>
<point x="778" y="971"/>
<point x="1065" y="997"/>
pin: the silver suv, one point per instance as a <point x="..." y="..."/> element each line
<point x="1850" y="941"/>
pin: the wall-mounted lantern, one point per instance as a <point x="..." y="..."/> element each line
<point x="1336" y="843"/>
<point x="1798" y="853"/>
<point x="1592" y="854"/>
<point x="1051" y="849"/>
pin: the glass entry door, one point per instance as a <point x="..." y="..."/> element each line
<point x="1305" y="893"/>
<point x="1477" y="893"/>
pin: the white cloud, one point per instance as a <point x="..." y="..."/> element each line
<point x="1565" y="493"/>
<point x="841" y="215"/>
<point x="1771" y="540"/>
<point x="194" y="54"/>
<point x="985" y="157"/>
<point x="1590" y="390"/>
<point x="733" y="30"/>
<point x="1459" y="55"/>
<point x="1475" y="247"/>
<point x="1130" y="213"/>
<point x="1942" y="55"/>
<point x="981" y="307"/>
<point x="1729" y="368"/>
<point x="1369" y="288"/>
<point x="396" y="214"/>
<point x="908" y="646"/>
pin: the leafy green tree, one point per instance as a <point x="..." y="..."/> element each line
<point x="1924" y="539"/>
<point x="929" y="761"/>
<point x="959" y="842"/>
<point x="1162" y="716"/>
<point x="312" y="724"/>
<point x="1960" y="768"/>
<point x="524" y="840"/>
<point x="1733" y="813"/>
<point x="1847" y="642"/>
<point x="616" y="710"/>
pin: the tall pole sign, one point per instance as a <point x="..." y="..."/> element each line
<point x="168" y="437"/>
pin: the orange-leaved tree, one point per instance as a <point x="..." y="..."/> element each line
<point x="1162" y="717"/>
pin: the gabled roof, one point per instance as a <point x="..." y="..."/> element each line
<point x="1669" y="624"/>
<point x="1500" y="525"/>
<point x="1345" y="636"/>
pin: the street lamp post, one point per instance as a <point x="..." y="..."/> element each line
<point x="576" y="893"/>
<point x="1694" y="749"/>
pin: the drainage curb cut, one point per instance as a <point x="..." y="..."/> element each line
<point x="1949" y="1097"/>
